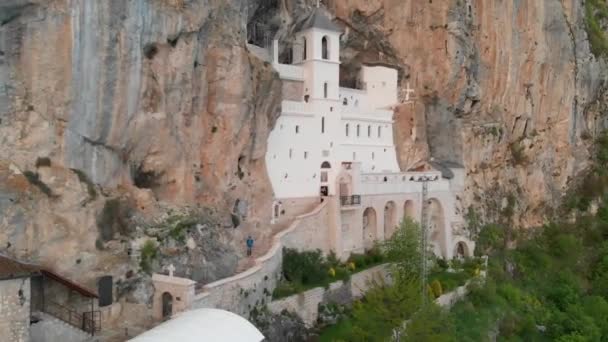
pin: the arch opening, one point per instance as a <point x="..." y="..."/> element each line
<point x="436" y="227"/>
<point x="390" y="219"/>
<point x="167" y="300"/>
<point x="409" y="210"/>
<point x="461" y="250"/>
<point x="370" y="223"/>
<point x="325" y="47"/>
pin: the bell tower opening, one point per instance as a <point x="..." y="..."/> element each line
<point x="325" y="47"/>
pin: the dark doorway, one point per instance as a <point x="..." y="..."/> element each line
<point x="324" y="191"/>
<point x="167" y="305"/>
<point x="104" y="288"/>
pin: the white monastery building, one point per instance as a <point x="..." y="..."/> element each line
<point x="335" y="144"/>
<point x="338" y="187"/>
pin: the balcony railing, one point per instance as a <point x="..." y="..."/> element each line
<point x="350" y="200"/>
<point x="89" y="322"/>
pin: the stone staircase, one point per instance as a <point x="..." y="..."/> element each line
<point x="50" y="329"/>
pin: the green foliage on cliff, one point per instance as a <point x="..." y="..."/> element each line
<point x="382" y="313"/>
<point x="302" y="271"/>
<point x="593" y="185"/>
<point x="148" y="253"/>
<point x="596" y="11"/>
<point x="553" y="286"/>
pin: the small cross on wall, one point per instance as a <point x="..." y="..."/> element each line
<point x="171" y="269"/>
<point x="408" y="92"/>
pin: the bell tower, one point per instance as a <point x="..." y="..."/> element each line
<point x="318" y="51"/>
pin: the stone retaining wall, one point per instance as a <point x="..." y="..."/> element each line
<point x="252" y="288"/>
<point x="306" y="304"/>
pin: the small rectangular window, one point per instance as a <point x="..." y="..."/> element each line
<point x="322" y="124"/>
<point x="290" y="153"/>
<point x="297" y="129"/>
<point x="323" y="176"/>
<point x="305" y="154"/>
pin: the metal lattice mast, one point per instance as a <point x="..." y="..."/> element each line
<point x="424" y="223"/>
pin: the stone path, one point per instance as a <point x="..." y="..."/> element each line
<point x="262" y="245"/>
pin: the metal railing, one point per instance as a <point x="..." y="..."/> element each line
<point x="350" y="200"/>
<point x="89" y="322"/>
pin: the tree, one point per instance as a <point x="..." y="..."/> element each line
<point x="430" y="323"/>
<point x="403" y="251"/>
<point x="384" y="308"/>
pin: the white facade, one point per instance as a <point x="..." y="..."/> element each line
<point x="336" y="143"/>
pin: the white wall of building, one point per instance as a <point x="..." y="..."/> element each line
<point x="381" y="85"/>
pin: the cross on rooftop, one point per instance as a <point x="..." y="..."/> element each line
<point x="171" y="269"/>
<point x="408" y="92"/>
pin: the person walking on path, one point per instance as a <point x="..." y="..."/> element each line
<point x="249" y="245"/>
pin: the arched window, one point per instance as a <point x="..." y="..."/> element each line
<point x="325" y="89"/>
<point x="297" y="129"/>
<point x="369" y="130"/>
<point x="324" y="48"/>
<point x="325" y="165"/>
<point x="358" y="129"/>
<point x="379" y="131"/>
<point x="304" y="50"/>
<point x="345" y="102"/>
<point x="323" y="124"/>
<point x="347" y="126"/>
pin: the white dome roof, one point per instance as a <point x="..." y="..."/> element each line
<point x="208" y="325"/>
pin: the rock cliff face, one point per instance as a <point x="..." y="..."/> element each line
<point x="115" y="115"/>
<point x="509" y="89"/>
<point x="119" y="118"/>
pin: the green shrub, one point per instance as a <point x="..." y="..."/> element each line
<point x="178" y="225"/>
<point x="518" y="153"/>
<point x="436" y="288"/>
<point x="148" y="253"/>
<point x="306" y="268"/>
<point x="596" y="11"/>
<point x="491" y="238"/>
<point x="286" y="289"/>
